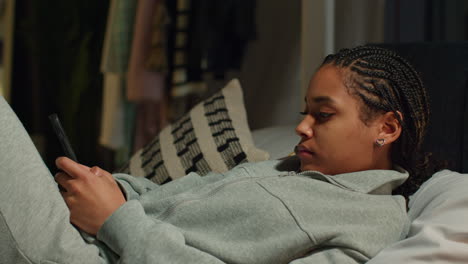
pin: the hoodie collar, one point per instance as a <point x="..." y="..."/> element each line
<point x="370" y="181"/>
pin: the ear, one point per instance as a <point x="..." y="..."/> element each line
<point x="389" y="128"/>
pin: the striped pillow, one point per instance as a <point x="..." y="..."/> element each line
<point x="213" y="136"/>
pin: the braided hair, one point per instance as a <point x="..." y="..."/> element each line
<point x="385" y="82"/>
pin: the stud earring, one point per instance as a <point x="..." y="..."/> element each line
<point x="380" y="142"/>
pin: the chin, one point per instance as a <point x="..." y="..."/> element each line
<point x="309" y="167"/>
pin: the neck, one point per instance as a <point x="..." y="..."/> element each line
<point x="383" y="160"/>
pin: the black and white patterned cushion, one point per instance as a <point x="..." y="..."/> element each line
<point x="213" y="136"/>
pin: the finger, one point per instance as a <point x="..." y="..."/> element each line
<point x="61" y="177"/>
<point x="63" y="181"/>
<point x="62" y="190"/>
<point x="65" y="195"/>
<point x="67" y="183"/>
<point x="59" y="162"/>
<point x="96" y="171"/>
<point x="72" y="168"/>
<point x="84" y="166"/>
<point x="100" y="172"/>
<point x="69" y="199"/>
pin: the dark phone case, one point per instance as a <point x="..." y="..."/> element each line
<point x="62" y="137"/>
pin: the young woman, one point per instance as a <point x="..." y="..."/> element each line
<point x="365" y="116"/>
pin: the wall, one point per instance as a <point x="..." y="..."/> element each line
<point x="270" y="74"/>
<point x="330" y="25"/>
<point x="358" y="22"/>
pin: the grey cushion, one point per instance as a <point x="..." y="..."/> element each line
<point x="278" y="141"/>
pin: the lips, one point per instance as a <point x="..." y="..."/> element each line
<point x="301" y="150"/>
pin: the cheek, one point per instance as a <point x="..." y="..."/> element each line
<point x="345" y="139"/>
<point x="360" y="141"/>
<point x="339" y="130"/>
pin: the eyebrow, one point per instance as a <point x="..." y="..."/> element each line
<point x="321" y="99"/>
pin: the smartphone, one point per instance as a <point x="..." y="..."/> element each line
<point x="62" y="137"/>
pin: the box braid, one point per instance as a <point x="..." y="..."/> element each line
<point x="385" y="82"/>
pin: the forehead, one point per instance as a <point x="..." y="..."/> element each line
<point x="328" y="86"/>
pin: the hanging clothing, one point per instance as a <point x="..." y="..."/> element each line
<point x="118" y="38"/>
<point x="157" y="59"/>
<point x="146" y="87"/>
<point x="113" y="111"/>
<point x="115" y="122"/>
<point x="143" y="84"/>
<point x="206" y="38"/>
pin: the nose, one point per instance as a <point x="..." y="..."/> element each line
<point x="304" y="128"/>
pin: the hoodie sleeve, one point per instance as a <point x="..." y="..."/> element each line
<point x="133" y="187"/>
<point x="137" y="238"/>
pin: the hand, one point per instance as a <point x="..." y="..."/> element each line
<point x="91" y="194"/>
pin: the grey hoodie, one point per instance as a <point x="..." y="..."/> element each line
<point x="257" y="213"/>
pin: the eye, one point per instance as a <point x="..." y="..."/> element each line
<point x="323" y="115"/>
<point x="303" y="113"/>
